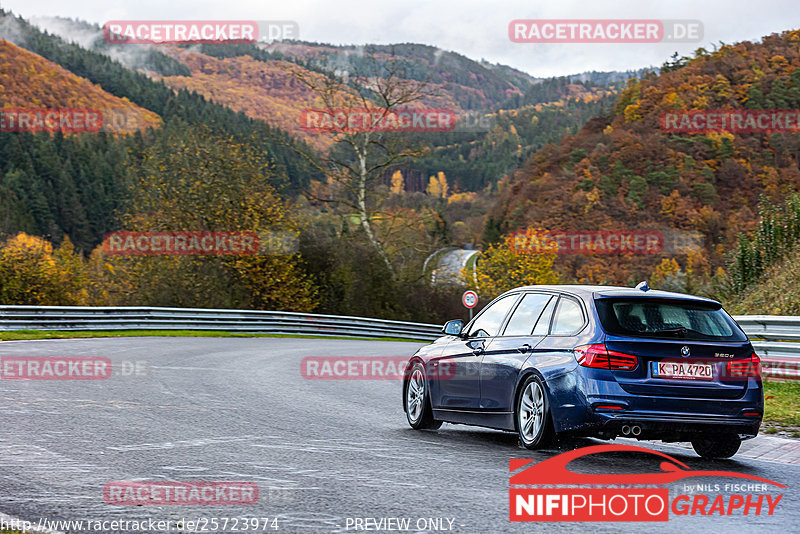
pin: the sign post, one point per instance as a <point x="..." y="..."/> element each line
<point x="469" y="299"/>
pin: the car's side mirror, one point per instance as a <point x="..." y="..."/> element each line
<point x="453" y="328"/>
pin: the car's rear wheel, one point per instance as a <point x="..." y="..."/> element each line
<point x="723" y="446"/>
<point x="533" y="414"/>
<point x="417" y="401"/>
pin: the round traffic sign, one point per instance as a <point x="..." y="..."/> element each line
<point x="469" y="299"/>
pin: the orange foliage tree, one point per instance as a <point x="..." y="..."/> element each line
<point x="33" y="273"/>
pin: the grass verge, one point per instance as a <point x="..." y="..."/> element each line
<point x="82" y="334"/>
<point x="782" y="408"/>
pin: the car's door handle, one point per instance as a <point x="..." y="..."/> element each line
<point x="524" y="348"/>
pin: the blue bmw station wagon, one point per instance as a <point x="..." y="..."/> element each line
<point x="593" y="361"/>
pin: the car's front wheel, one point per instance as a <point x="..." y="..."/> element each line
<point x="533" y="414"/>
<point x="417" y="401"/>
<point x="723" y="446"/>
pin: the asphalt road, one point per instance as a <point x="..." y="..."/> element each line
<point x="320" y="451"/>
<point x="451" y="264"/>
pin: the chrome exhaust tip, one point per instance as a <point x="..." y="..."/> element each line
<point x="636" y="430"/>
<point x="626" y="430"/>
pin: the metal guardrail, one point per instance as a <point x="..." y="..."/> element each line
<point x="780" y="349"/>
<point x="770" y="327"/>
<point x="779" y="360"/>
<point x="149" y="318"/>
<point x="773" y="335"/>
<point x="777" y="351"/>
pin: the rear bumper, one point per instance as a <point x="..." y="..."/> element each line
<point x="675" y="427"/>
<point x="595" y="404"/>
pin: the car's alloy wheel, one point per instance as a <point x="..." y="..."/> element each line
<point x="415" y="396"/>
<point x="417" y="405"/>
<point x="533" y="414"/>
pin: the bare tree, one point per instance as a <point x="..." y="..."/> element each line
<point x="361" y="154"/>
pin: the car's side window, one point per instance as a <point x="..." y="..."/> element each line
<point x="527" y="313"/>
<point x="491" y="319"/>
<point x="569" y="318"/>
<point x="543" y="324"/>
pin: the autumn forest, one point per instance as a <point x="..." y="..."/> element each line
<point x="209" y="138"/>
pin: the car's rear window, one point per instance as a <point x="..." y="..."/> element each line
<point x="667" y="318"/>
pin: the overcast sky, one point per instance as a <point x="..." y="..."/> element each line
<point x="475" y="28"/>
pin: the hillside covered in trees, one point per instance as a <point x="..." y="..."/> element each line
<point x="518" y="114"/>
<point x="30" y="81"/>
<point x="583" y="152"/>
<point x="74" y="185"/>
<point x="622" y="171"/>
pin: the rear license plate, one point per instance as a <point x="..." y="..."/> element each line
<point x="682" y="370"/>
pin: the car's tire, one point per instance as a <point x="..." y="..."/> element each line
<point x="417" y="402"/>
<point x="723" y="446"/>
<point x="532" y="414"/>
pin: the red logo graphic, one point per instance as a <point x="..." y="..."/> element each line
<point x="180" y="493"/>
<point x="618" y="503"/>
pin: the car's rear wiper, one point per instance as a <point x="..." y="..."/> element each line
<point x="677" y="332"/>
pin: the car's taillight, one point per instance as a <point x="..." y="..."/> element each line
<point x="599" y="357"/>
<point x="750" y="366"/>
